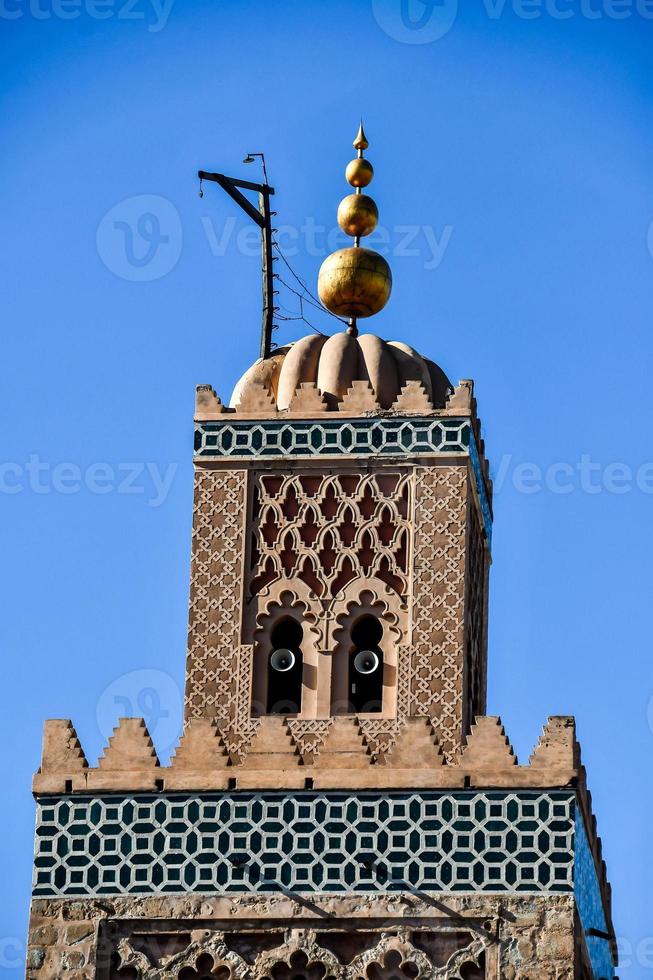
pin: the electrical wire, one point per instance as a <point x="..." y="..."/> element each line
<point x="304" y="299"/>
<point x="315" y="301"/>
<point x="292" y="314"/>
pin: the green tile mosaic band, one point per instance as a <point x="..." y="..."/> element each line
<point x="306" y="842"/>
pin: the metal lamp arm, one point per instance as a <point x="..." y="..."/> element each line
<point x="262" y="217"/>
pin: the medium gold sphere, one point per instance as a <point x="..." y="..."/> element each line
<point x="354" y="282"/>
<point x="358" y="215"/>
<point x="359" y="172"/>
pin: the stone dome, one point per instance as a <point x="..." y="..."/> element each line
<point x="333" y="363"/>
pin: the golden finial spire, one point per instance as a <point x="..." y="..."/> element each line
<point x="356" y="282"/>
<point x="360" y="143"/>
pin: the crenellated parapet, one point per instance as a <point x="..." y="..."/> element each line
<point x="340" y="781"/>
<point x="341" y="777"/>
<point x="257" y="399"/>
<point x="278" y="757"/>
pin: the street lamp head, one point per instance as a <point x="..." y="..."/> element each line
<point x="250" y="158"/>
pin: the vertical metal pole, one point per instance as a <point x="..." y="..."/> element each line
<point x="263" y="218"/>
<point x="267" y="273"/>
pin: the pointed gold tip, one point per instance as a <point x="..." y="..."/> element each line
<point x="360" y="143"/>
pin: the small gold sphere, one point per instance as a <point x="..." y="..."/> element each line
<point x="359" y="172"/>
<point x="358" y="215"/>
<point x="354" y="282"/>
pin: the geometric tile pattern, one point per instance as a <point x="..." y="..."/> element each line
<point x="214" y="685"/>
<point x="439" y="599"/>
<point x="217" y="843"/>
<point x="590" y="904"/>
<point x="353" y="438"/>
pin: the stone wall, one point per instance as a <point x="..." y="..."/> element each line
<point x="399" y="936"/>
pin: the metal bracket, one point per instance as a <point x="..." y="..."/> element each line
<point x="262" y="216"/>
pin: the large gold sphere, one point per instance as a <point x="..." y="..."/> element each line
<point x="359" y="172"/>
<point x="354" y="282"/>
<point x="358" y="215"/>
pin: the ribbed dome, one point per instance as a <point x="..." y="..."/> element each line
<point x="335" y="362"/>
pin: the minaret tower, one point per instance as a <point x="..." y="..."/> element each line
<point x="339" y="806"/>
<point x="347" y="518"/>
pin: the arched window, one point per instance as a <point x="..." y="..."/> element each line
<point x="365" y="692"/>
<point x="285" y="669"/>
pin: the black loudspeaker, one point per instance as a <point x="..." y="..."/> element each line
<point x="283" y="660"/>
<point x="366" y="662"/>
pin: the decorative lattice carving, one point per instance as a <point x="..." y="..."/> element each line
<point x="202" y="955"/>
<point x="219" y="672"/>
<point x="395" y="961"/>
<point x="299" y="960"/>
<point x="438" y="600"/>
<point x="205" y="967"/>
<point x="291" y="604"/>
<point x="241" y="730"/>
<point x="380" y="734"/>
<point x="309" y="734"/>
<point x="330" y="530"/>
<point x="302" y="954"/>
<point x="306" y="842"/>
<point x="401" y="958"/>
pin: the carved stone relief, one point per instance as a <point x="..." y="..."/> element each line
<point x="303" y="954"/>
<point x="212" y="676"/>
<point x="438" y="600"/>
<point x="330" y="530"/>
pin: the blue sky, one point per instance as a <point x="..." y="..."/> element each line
<point x="513" y="148"/>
